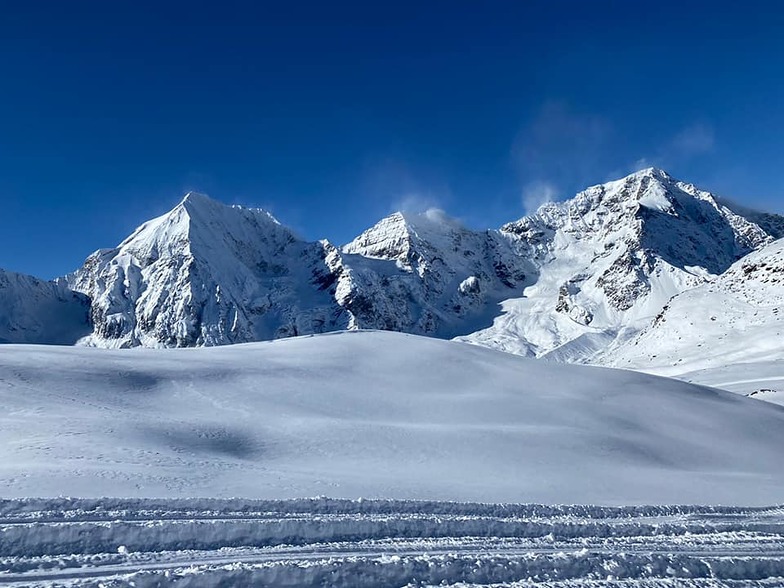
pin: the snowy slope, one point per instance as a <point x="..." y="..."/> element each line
<point x="565" y="283"/>
<point x="210" y="274"/>
<point x="429" y="275"/>
<point x="735" y="319"/>
<point x="373" y="414"/>
<point x="36" y="311"/>
<point x="207" y="274"/>
<point x="761" y="380"/>
<point x="608" y="261"/>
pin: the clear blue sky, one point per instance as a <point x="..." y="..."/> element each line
<point x="332" y="115"/>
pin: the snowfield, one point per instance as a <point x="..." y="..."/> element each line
<point x="145" y="543"/>
<point x="426" y="445"/>
<point x="374" y="415"/>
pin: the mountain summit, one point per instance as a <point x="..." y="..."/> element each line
<point x="568" y="282"/>
<point x="610" y="258"/>
<point x="205" y="274"/>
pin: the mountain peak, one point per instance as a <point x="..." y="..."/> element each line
<point x="403" y="236"/>
<point x="650" y="172"/>
<point x="196" y="198"/>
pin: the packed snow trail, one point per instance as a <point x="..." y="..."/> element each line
<point x="204" y="542"/>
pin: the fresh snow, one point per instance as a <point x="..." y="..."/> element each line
<point x="567" y="283"/>
<point x="36" y="311"/>
<point x="375" y="415"/>
<point x="736" y="319"/>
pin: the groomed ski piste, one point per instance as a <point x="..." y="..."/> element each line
<point x="322" y="542"/>
<point x="437" y="457"/>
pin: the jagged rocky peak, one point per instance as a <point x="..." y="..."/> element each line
<point x="205" y="273"/>
<point x="409" y="238"/>
<point x="609" y="259"/>
<point x="651" y="211"/>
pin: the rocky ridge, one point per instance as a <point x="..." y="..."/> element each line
<point x="569" y="282"/>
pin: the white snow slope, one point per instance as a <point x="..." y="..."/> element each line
<point x="727" y="333"/>
<point x="36" y="311"/>
<point x="564" y="283"/>
<point x="373" y="414"/>
<point x="610" y="258"/>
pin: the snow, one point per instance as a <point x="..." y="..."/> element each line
<point x="375" y="415"/>
<point x="761" y="380"/>
<point x="36" y="311"/>
<point x="608" y="260"/>
<point x="736" y="319"/>
<point x="208" y="542"/>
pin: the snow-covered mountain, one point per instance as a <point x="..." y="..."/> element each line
<point x="211" y="274"/>
<point x="37" y="311"/>
<point x="609" y="259"/>
<point x="567" y="283"/>
<point x="429" y="275"/>
<point x="736" y="318"/>
<point x="207" y="274"/>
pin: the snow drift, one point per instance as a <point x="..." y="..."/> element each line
<point x="373" y="414"/>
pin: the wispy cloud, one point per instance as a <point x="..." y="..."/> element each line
<point x="694" y="140"/>
<point x="559" y="148"/>
<point x="690" y="142"/>
<point x="561" y="141"/>
<point x="395" y="186"/>
<point x="416" y="202"/>
<point x="537" y="193"/>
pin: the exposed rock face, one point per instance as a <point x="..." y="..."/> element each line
<point x="610" y="258"/>
<point x="571" y="280"/>
<point x="736" y="318"/>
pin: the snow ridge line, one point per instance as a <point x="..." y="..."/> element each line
<point x="110" y="508"/>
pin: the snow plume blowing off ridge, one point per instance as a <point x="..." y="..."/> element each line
<point x="568" y="282"/>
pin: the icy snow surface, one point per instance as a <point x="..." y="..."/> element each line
<point x="375" y="415"/>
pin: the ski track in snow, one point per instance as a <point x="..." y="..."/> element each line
<point x="320" y="542"/>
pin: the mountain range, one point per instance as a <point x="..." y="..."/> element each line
<point x="616" y="275"/>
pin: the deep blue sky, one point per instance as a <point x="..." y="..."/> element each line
<point x="332" y="115"/>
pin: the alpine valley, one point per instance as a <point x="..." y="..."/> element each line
<point x="435" y="414"/>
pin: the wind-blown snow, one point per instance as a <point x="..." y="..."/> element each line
<point x="373" y="414"/>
